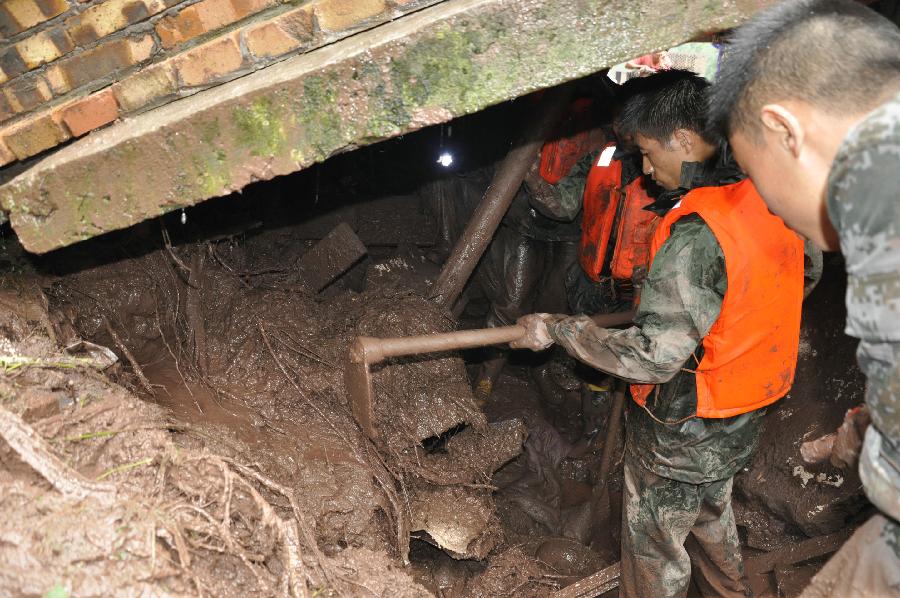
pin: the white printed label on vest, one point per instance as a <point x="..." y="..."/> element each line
<point x="606" y="156"/>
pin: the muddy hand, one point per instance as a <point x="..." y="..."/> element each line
<point x="842" y="447"/>
<point x="536" y="337"/>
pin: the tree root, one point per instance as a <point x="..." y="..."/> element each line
<point x="145" y="383"/>
<point x="35" y="451"/>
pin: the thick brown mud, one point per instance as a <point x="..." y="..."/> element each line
<point x="234" y="466"/>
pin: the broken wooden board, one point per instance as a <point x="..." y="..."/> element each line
<point x="330" y="257"/>
<point x="593" y="585"/>
<point x="796" y="553"/>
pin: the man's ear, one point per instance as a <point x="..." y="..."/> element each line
<point x="684" y="138"/>
<point x="784" y="126"/>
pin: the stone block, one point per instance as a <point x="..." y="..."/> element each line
<point x="337" y="15"/>
<point x="34" y="135"/>
<point x="26" y="94"/>
<point x="208" y="63"/>
<point x="90" y="113"/>
<point x="18" y="15"/>
<point x="98" y="62"/>
<point x="145" y="87"/>
<point x="110" y="16"/>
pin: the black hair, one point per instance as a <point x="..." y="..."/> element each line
<point x="837" y="55"/>
<point x="658" y="105"/>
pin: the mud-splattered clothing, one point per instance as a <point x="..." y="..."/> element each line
<point x="657" y="515"/>
<point x="864" y="206"/>
<point x="860" y="569"/>
<point x="680" y="301"/>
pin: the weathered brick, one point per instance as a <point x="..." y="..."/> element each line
<point x="98" y="62"/>
<point x="11" y="63"/>
<point x="43" y="47"/>
<point x="338" y="15"/>
<point x="281" y="34"/>
<point x="205" y="16"/>
<point x="145" y="87"/>
<point x="6" y="155"/>
<point x="90" y="113"/>
<point x="26" y="94"/>
<point x="110" y="16"/>
<point x="269" y="39"/>
<point x="6" y="111"/>
<point x="34" y="135"/>
<point x="209" y="62"/>
<point x="18" y="15"/>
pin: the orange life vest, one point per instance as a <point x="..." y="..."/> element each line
<point x="561" y="154"/>
<point x="750" y="353"/>
<point x="604" y="197"/>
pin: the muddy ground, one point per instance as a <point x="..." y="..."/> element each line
<point x="218" y="455"/>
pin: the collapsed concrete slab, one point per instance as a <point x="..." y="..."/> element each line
<point x="425" y="68"/>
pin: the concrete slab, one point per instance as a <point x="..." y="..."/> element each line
<point x="444" y="61"/>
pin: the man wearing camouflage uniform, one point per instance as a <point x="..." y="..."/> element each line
<point x="687" y="434"/>
<point x="819" y="134"/>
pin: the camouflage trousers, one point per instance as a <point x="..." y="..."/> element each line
<point x="658" y="514"/>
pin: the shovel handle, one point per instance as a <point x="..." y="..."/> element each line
<point x="374" y="350"/>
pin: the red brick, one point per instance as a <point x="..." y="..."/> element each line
<point x="207" y="63"/>
<point x="281" y="34"/>
<point x="98" y="62"/>
<point x="90" y="113"/>
<point x="18" y="15"/>
<point x="33" y="136"/>
<point x="145" y="87"/>
<point x="339" y="15"/>
<point x="268" y="40"/>
<point x="206" y="16"/>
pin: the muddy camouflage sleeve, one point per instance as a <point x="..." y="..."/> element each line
<point x="562" y="201"/>
<point x="680" y="301"/>
<point x="864" y="206"/>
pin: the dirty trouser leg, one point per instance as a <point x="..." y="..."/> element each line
<point x="714" y="546"/>
<point x="868" y="564"/>
<point x="657" y="516"/>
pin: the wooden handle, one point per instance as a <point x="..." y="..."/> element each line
<point x="374" y="350"/>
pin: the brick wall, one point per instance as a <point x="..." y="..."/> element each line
<point x="68" y="67"/>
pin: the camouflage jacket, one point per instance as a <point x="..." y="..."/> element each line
<point x="680" y="301"/>
<point x="864" y="207"/>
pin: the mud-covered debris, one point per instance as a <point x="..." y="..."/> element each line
<point x="329" y="258"/>
<point x="458" y="519"/>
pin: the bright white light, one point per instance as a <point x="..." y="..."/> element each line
<point x="445" y="159"/>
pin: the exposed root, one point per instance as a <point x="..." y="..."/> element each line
<point x="34" y="451"/>
<point x="135" y="366"/>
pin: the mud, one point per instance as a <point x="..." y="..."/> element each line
<point x="238" y="468"/>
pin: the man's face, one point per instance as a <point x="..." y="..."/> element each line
<point x="661" y="161"/>
<point x="792" y="182"/>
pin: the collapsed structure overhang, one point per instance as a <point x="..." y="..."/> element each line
<point x="453" y="58"/>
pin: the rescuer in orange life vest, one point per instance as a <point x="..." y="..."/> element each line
<point x="715" y="341"/>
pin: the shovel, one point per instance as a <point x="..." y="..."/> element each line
<point x="366" y="351"/>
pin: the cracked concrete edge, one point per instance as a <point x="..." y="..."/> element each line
<point x="444" y="61"/>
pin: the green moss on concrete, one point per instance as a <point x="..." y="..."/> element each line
<point x="319" y="117"/>
<point x="259" y="127"/>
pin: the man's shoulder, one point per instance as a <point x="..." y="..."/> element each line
<point x="878" y="132"/>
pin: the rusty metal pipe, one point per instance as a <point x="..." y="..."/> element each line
<point x="497" y="199"/>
